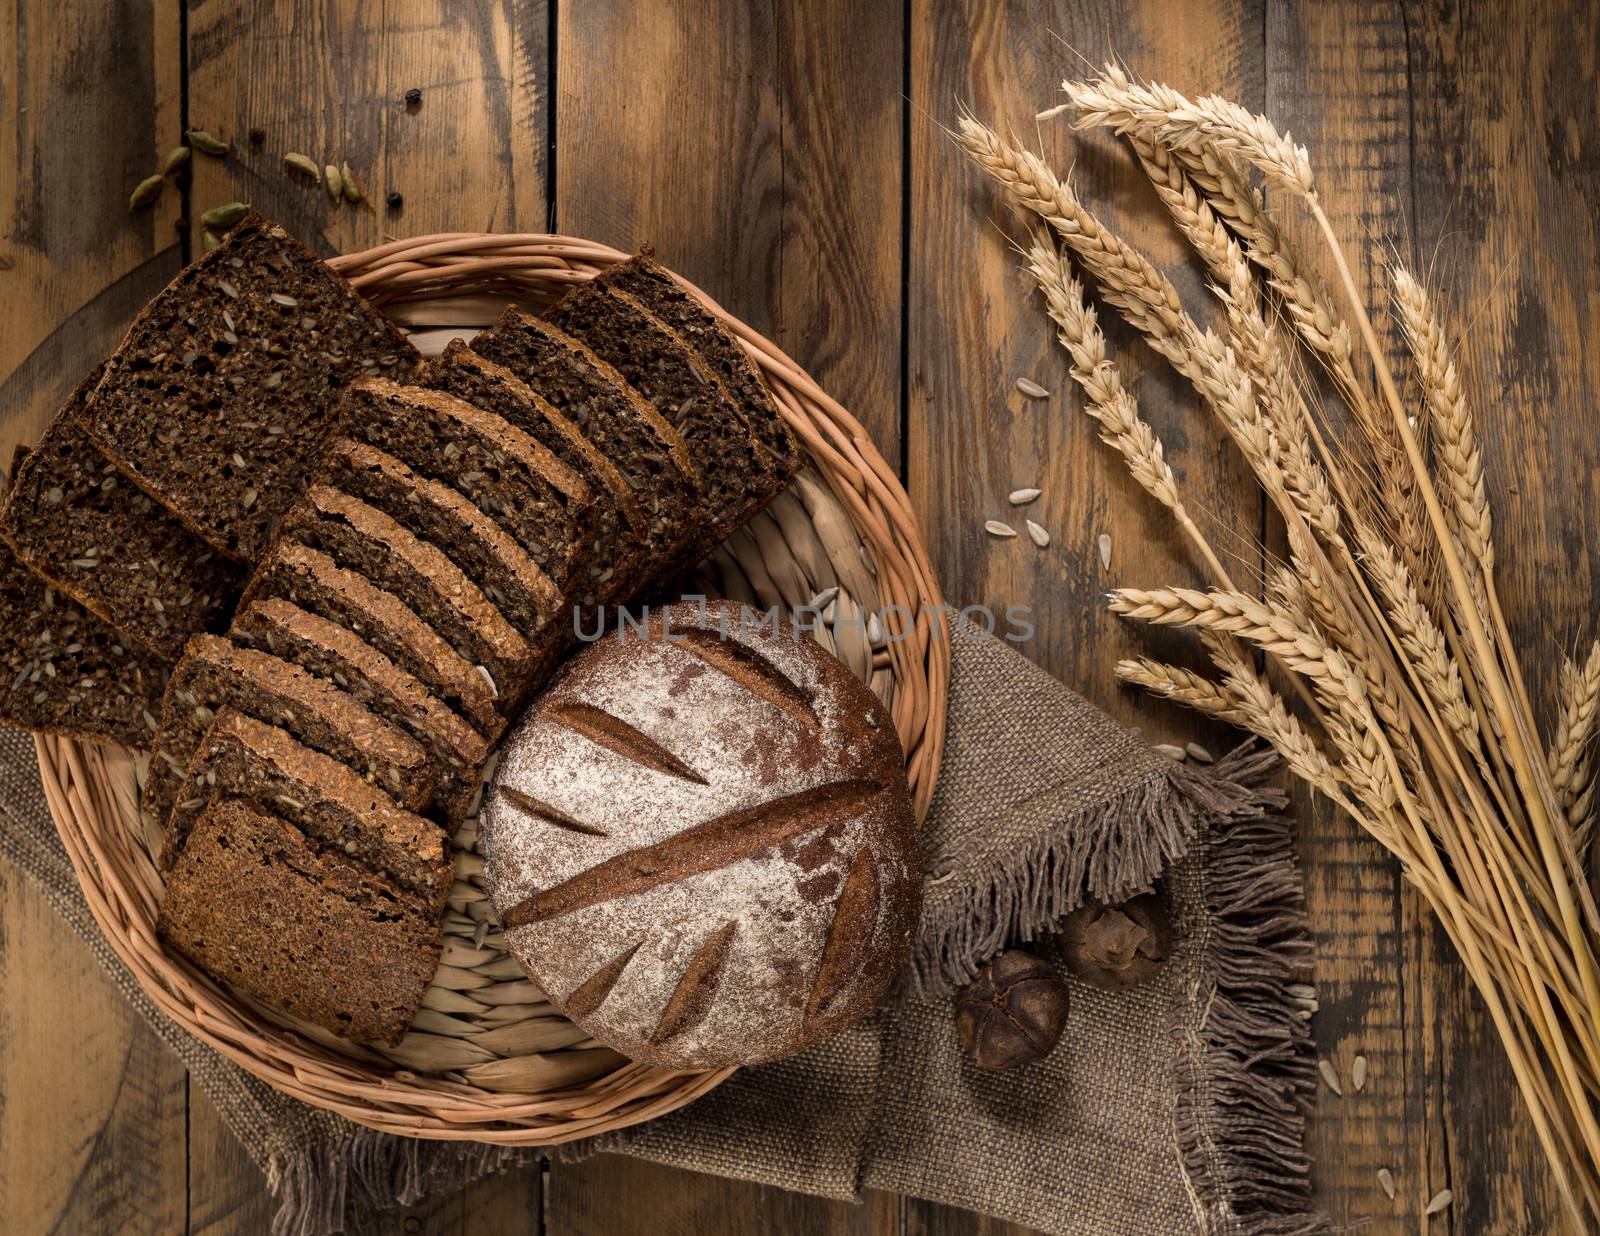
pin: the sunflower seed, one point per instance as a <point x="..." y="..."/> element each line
<point x="1441" y="1201"/>
<point x="176" y="158"/>
<point x="283" y="298"/>
<point x="1041" y="538"/>
<point x="1105" y="550"/>
<point x="1196" y="751"/>
<point x="1170" y="749"/>
<point x="1021" y="497"/>
<point x="353" y="191"/>
<point x="995" y="528"/>
<point x="145" y="192"/>
<point x="1386" y="1182"/>
<point x="494" y="691"/>
<point x="1330" y="1075"/>
<point x="1358" y="1073"/>
<point x="1032" y="389"/>
<point x="823" y="598"/>
<point x="221" y="218"/>
<point x="333" y="182"/>
<point x="205" y="143"/>
<point x="303" y="164"/>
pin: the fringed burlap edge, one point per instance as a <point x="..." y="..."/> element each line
<point x="1245" y="1060"/>
<point x="1109" y="850"/>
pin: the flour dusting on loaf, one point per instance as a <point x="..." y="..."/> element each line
<point x="701" y="841"/>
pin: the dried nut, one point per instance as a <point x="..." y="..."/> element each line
<point x="205" y="143"/>
<point x="333" y="182"/>
<point x="995" y="528"/>
<point x="176" y="158"/>
<point x="1041" y="538"/>
<point x="303" y="164"/>
<point x="353" y="192"/>
<point x="1012" y="1013"/>
<point x="1117" y="946"/>
<point x="146" y="192"/>
<point x="1021" y="497"/>
<point x="221" y="218"/>
<point x="1032" y="389"/>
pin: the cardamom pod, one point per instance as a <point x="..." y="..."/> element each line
<point x="333" y="181"/>
<point x="221" y="218"/>
<point x="176" y="158"/>
<point x="353" y="192"/>
<point x="211" y="239"/>
<point x="301" y="163"/>
<point x="146" y="192"/>
<point x="205" y="143"/>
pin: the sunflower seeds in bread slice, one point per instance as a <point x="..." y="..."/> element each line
<point x="480" y="546"/>
<point x="361" y="538"/>
<point x="734" y="466"/>
<point x="332" y="804"/>
<point x="610" y="560"/>
<point x="225" y="390"/>
<point x="256" y="904"/>
<point x="77" y="521"/>
<point x="666" y="296"/>
<point x="215" y="672"/>
<point x="315" y="582"/>
<point x="545" y="506"/>
<point x="330" y="651"/>
<point x="624" y="426"/>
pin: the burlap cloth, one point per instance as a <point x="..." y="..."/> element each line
<point x="1176" y="1108"/>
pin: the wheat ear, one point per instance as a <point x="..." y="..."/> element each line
<point x="1570" y="769"/>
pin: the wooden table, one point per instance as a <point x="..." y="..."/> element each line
<point x="791" y="158"/>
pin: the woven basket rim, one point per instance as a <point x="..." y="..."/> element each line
<point x="121" y="884"/>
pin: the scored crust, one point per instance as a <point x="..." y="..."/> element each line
<point x="701" y="844"/>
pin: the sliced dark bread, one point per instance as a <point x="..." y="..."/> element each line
<point x="620" y="422"/>
<point x="608" y="563"/>
<point x="662" y="294"/>
<point x="362" y="538"/>
<point x="245" y="758"/>
<point x="73" y="518"/>
<point x="479" y="545"/>
<point x="328" y="650"/>
<point x="257" y="905"/>
<point x="215" y="673"/>
<point x="735" y="469"/>
<point x="226" y="389"/>
<point x="315" y="582"/>
<point x="522" y="486"/>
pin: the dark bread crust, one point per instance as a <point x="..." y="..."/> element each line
<point x="229" y="457"/>
<point x="315" y="582"/>
<point x="215" y="672"/>
<point x="329" y="802"/>
<point x="74" y="519"/>
<point x="609" y="561"/>
<point x="618" y="420"/>
<point x="545" y="506"/>
<point x="254" y="903"/>
<point x="700" y="842"/>
<point x="326" y="649"/>
<point x="659" y="291"/>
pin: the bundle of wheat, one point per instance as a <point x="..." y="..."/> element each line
<point x="1410" y="710"/>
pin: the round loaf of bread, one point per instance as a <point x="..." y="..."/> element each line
<point x="700" y="842"/>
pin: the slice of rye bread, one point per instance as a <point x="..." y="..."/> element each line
<point x="479" y="545"/>
<point x="315" y="582"/>
<point x="361" y="538"/>
<point x="65" y="670"/>
<point x="73" y="518"/>
<point x="664" y="295"/>
<point x="245" y="758"/>
<point x="330" y="651"/>
<point x="623" y="425"/>
<point x="215" y="672"/>
<point x="257" y="905"/>
<point x="611" y="558"/>
<point x="735" y="469"/>
<point x="224" y="393"/>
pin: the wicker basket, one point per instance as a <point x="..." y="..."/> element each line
<point x="488" y="1058"/>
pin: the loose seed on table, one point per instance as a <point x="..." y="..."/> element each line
<point x="1386" y="1182"/>
<point x="1021" y="497"/>
<point x="1441" y="1201"/>
<point x="1032" y="389"/>
<point x="1358" y="1072"/>
<point x="1330" y="1075"/>
<point x="1196" y="751"/>
<point x="1041" y="538"/>
<point x="995" y="528"/>
<point x="1105" y="550"/>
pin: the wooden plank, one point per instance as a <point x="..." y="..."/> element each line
<point x="758" y="149"/>
<point x="227" y="1192"/>
<point x="92" y="1105"/>
<point x="328" y="78"/>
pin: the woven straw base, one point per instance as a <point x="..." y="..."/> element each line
<point x="487" y="1057"/>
